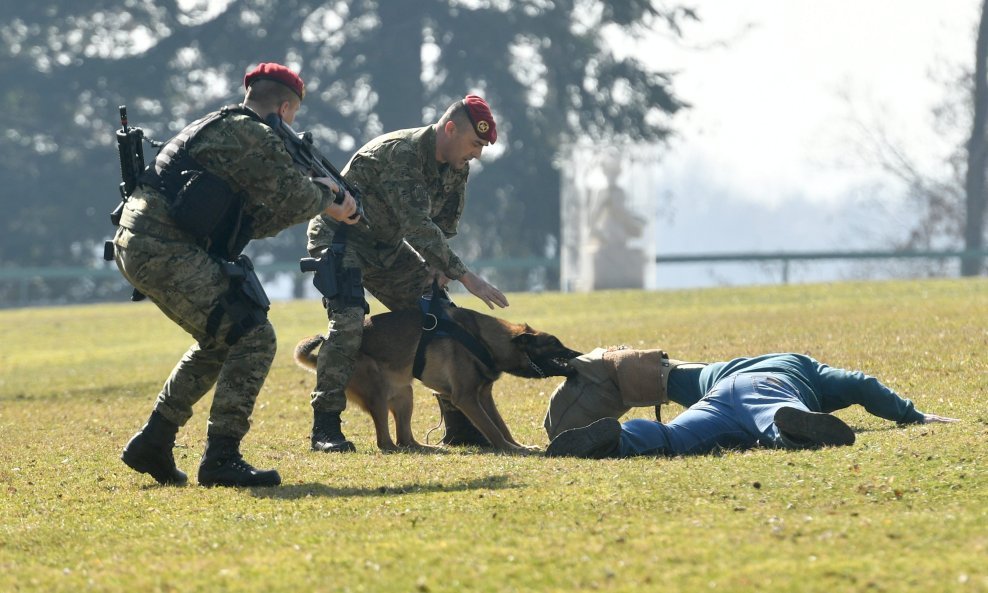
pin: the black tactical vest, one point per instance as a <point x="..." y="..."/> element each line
<point x="200" y="202"/>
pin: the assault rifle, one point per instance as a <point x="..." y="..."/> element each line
<point x="131" y="149"/>
<point x="310" y="161"/>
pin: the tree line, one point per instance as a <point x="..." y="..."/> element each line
<point x="369" y="67"/>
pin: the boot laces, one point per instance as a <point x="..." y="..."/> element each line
<point x="241" y="465"/>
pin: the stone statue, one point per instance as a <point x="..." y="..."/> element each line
<point x="612" y="225"/>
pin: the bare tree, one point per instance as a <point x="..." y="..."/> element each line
<point x="946" y="204"/>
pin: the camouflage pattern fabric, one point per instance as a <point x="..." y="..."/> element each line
<point x="336" y="360"/>
<point x="252" y="159"/>
<point x="407" y="196"/>
<point x="414" y="206"/>
<point x="397" y="288"/>
<point x="186" y="283"/>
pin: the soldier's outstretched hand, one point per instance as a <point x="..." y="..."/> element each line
<point x="484" y="290"/>
<point x="931" y="418"/>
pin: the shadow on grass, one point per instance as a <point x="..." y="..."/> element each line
<point x="466" y="450"/>
<point x="297" y="491"/>
<point x="887" y="428"/>
<point x="99" y="394"/>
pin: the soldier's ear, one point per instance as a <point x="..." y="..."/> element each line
<point x="450" y="128"/>
<point x="284" y="109"/>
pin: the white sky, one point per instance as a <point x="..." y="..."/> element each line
<point x="768" y="118"/>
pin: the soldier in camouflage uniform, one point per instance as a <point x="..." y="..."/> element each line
<point x="413" y="184"/>
<point x="188" y="276"/>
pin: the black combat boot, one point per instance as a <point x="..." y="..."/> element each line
<point x="223" y="465"/>
<point x="150" y="451"/>
<point x="327" y="436"/>
<point x="598" y="440"/>
<point x="459" y="429"/>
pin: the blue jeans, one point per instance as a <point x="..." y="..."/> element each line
<point x="738" y="413"/>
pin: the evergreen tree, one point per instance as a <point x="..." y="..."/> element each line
<point x="543" y="65"/>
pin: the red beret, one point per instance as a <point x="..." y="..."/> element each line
<point x="480" y="116"/>
<point x="277" y="73"/>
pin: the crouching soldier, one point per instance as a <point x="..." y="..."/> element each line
<point x="413" y="184"/>
<point x="223" y="180"/>
<point x="774" y="400"/>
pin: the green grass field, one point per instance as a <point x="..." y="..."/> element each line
<point x="904" y="509"/>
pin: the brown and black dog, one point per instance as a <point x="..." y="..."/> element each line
<point x="382" y="379"/>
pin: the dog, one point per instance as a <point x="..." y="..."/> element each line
<point x="382" y="378"/>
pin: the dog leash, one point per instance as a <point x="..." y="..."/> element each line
<point x="428" y="434"/>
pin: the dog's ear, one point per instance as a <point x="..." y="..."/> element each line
<point x="525" y="338"/>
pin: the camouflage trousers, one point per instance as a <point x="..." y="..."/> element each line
<point x="399" y="286"/>
<point x="186" y="284"/>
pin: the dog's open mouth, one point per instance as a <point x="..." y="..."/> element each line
<point x="562" y="363"/>
<point x="555" y="366"/>
<point x="565" y="368"/>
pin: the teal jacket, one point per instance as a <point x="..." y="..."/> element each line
<point x="822" y="388"/>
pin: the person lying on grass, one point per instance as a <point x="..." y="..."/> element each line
<point x="779" y="400"/>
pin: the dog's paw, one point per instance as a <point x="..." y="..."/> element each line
<point x="419" y="448"/>
<point x="520" y="449"/>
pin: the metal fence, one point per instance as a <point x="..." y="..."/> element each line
<point x="53" y="285"/>
<point x="43" y="286"/>
<point x="786" y="258"/>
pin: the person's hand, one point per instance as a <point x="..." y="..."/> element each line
<point x="328" y="182"/>
<point x="343" y="211"/>
<point x="931" y="418"/>
<point x="439" y="277"/>
<point x="483" y="290"/>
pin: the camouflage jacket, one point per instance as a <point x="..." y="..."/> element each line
<point x="408" y="196"/>
<point x="250" y="157"/>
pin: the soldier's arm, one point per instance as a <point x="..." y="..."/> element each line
<point x="252" y="158"/>
<point x="403" y="186"/>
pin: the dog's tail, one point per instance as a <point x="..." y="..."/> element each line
<point x="306" y="352"/>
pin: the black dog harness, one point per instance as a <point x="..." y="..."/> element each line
<point x="436" y="323"/>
